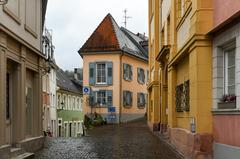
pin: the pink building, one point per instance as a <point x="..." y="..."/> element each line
<point x="115" y="67"/>
<point x="226" y="79"/>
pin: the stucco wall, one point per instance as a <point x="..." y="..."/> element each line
<point x="115" y="58"/>
<point x="133" y="85"/>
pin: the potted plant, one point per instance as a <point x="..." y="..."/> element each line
<point x="228" y="101"/>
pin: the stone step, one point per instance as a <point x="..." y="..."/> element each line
<point x="26" y="155"/>
<point x="16" y="151"/>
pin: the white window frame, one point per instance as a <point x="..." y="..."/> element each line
<point x="106" y="72"/>
<point x="101" y="97"/>
<point x="226" y="68"/>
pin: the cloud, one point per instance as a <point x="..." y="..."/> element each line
<point x="73" y="22"/>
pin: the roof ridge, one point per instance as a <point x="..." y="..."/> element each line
<point x="115" y="33"/>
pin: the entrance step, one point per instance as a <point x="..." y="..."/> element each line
<point x="25" y="155"/>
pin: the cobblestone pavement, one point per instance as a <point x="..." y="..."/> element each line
<point x="125" y="141"/>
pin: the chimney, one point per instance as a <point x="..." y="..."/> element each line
<point x="75" y="76"/>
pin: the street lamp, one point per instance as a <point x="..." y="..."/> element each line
<point x="2" y="2"/>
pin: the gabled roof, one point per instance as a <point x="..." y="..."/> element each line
<point x="110" y="37"/>
<point x="66" y="84"/>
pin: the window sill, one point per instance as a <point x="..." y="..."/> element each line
<point x="225" y="111"/>
<point x="99" y="106"/>
<point x="141" y="107"/>
<point x="101" y="85"/>
<point x="127" y="107"/>
<point x="129" y="80"/>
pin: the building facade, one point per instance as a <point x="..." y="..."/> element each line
<point x="21" y="66"/>
<point x="226" y="77"/>
<point x="49" y="85"/>
<point x="69" y="106"/>
<point x="180" y="88"/>
<point x="115" y="68"/>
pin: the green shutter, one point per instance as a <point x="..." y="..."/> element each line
<point x="109" y="73"/>
<point x="143" y="75"/>
<point x="92" y="73"/>
<point x="130" y="93"/>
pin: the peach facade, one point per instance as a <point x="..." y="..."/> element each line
<point x="119" y="84"/>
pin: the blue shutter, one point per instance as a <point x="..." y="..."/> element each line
<point x="131" y="73"/>
<point x="131" y="100"/>
<point x="109" y="97"/>
<point x="92" y="98"/>
<point x="143" y="75"/>
<point x="138" y="99"/>
<point x="109" y="73"/>
<point x="92" y="73"/>
<point x="138" y="75"/>
<point x="124" y="98"/>
<point x="124" y="71"/>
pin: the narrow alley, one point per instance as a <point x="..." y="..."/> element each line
<point x="131" y="140"/>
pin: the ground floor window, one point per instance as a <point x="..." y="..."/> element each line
<point x="101" y="98"/>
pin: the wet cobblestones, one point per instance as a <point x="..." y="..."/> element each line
<point x="126" y="141"/>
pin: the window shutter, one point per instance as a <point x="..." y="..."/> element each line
<point x="147" y="75"/>
<point x="138" y="74"/>
<point x="109" y="73"/>
<point x="124" y="71"/>
<point x="124" y="98"/>
<point x="130" y="93"/>
<point x="131" y="72"/>
<point x="143" y="75"/>
<point x="109" y="94"/>
<point x="92" y="98"/>
<point x="146" y="99"/>
<point x="138" y="99"/>
<point x="92" y="73"/>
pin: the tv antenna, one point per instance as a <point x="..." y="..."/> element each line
<point x="125" y="18"/>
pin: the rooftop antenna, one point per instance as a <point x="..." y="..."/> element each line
<point x="125" y="18"/>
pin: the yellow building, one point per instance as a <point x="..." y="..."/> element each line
<point x="115" y="62"/>
<point x="180" y="74"/>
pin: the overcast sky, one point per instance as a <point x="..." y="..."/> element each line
<point x="73" y="21"/>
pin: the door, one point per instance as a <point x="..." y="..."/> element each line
<point x="8" y="108"/>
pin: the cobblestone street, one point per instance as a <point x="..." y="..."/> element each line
<point x="132" y="140"/>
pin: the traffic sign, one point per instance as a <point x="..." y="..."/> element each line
<point x="86" y="90"/>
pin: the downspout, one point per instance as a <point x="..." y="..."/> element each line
<point x="120" y="90"/>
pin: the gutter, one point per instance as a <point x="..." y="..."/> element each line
<point x="120" y="90"/>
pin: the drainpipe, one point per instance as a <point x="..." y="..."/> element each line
<point x="120" y="90"/>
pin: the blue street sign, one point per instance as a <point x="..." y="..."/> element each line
<point x="86" y="90"/>
<point x="111" y="109"/>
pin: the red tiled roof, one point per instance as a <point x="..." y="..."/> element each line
<point x="103" y="38"/>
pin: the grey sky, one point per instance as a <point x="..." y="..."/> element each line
<point x="73" y="21"/>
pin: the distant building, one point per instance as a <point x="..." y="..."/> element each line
<point x="49" y="85"/>
<point x="21" y="71"/>
<point x="115" y="67"/>
<point x="69" y="106"/>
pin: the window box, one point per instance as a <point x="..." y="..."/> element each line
<point x="226" y="105"/>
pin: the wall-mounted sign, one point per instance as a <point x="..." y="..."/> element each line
<point x="111" y="109"/>
<point x="86" y="90"/>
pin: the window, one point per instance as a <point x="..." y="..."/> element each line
<point x="141" y="97"/>
<point x="182" y="97"/>
<point x="127" y="98"/>
<point x="182" y="7"/>
<point x="101" y="98"/>
<point x="229" y="72"/>
<point x="8" y="97"/>
<point x="127" y="72"/>
<point x="101" y="73"/>
<point x="141" y="76"/>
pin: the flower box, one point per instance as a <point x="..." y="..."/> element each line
<point x="227" y="105"/>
